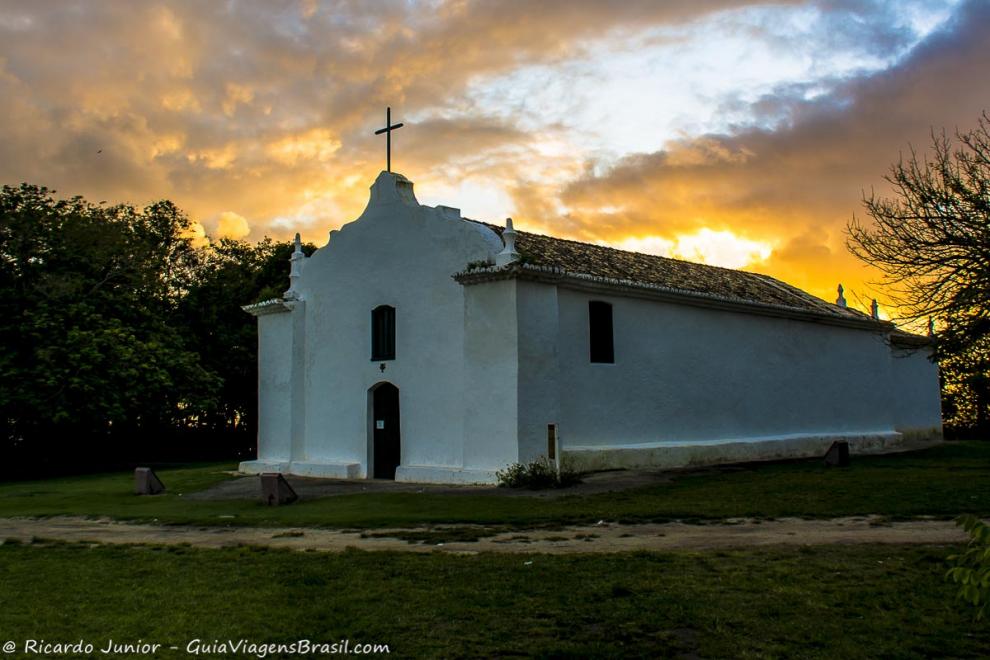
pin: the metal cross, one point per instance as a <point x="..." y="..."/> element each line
<point x="389" y="127"/>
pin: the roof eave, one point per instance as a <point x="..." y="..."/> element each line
<point x="273" y="306"/>
<point x="631" y="288"/>
<point x="902" y="338"/>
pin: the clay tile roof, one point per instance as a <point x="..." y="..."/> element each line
<point x="574" y="257"/>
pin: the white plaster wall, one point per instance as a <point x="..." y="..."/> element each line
<point x="539" y="384"/>
<point x="401" y="254"/>
<point x="297" y="380"/>
<point x="491" y="370"/>
<point x="274" y="387"/>
<point x="687" y="374"/>
<point x="915" y="395"/>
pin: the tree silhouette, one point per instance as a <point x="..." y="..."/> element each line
<point x="931" y="242"/>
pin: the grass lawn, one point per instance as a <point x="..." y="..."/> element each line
<point x="944" y="481"/>
<point x="830" y="601"/>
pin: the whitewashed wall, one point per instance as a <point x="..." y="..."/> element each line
<point x="400" y="254"/>
<point x="491" y="376"/>
<point x="542" y="381"/>
<point x="275" y="388"/>
<point x="915" y="393"/>
<point x="707" y="385"/>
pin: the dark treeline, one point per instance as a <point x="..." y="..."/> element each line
<point x="120" y="341"/>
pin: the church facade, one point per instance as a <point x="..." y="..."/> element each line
<point x="422" y="346"/>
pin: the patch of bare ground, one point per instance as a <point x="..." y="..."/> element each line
<point x="601" y="538"/>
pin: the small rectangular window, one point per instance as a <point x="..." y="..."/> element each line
<point x="383" y="333"/>
<point x="600" y="331"/>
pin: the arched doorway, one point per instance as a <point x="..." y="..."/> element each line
<point x="385" y="452"/>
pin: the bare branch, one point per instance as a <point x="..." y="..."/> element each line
<point x="930" y="240"/>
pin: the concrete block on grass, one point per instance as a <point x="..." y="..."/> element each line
<point x="275" y="490"/>
<point x="837" y="455"/>
<point x="146" y="482"/>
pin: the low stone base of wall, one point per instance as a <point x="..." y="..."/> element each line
<point x="657" y="455"/>
<point x="921" y="437"/>
<point x="429" y="474"/>
<point x="700" y="453"/>
<point x="443" y="475"/>
<point x="322" y="470"/>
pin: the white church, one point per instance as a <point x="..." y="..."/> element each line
<point x="420" y="345"/>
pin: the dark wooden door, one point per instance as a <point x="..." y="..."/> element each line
<point x="386" y="438"/>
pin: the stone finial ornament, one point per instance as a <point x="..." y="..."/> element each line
<point x="295" y="269"/>
<point x="508" y="254"/>
<point x="875" y="310"/>
<point x="841" y="300"/>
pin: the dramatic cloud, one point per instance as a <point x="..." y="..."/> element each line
<point x="232" y="225"/>
<point x="735" y="132"/>
<point x="248" y="104"/>
<point x="796" y="185"/>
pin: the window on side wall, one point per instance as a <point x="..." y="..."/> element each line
<point x="600" y="331"/>
<point x="383" y="333"/>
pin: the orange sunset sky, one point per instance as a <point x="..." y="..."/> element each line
<point x="736" y="133"/>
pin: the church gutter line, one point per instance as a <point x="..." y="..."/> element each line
<point x="583" y="281"/>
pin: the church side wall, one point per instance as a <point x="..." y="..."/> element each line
<point x="298" y="381"/>
<point x="915" y="394"/>
<point x="693" y="375"/>
<point x="538" y="381"/>
<point x="274" y="387"/>
<point x="491" y="369"/>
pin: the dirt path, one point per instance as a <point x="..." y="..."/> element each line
<point x="604" y="537"/>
